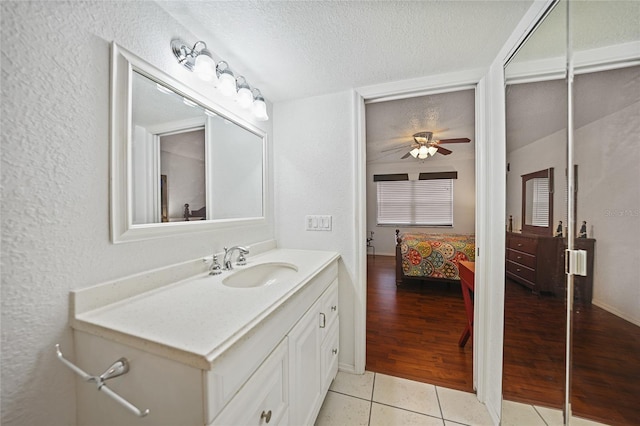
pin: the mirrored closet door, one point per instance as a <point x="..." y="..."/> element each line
<point x="573" y="152"/>
<point x="604" y="143"/>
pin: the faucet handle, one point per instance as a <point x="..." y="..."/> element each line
<point x="215" y="266"/>
<point x="241" y="259"/>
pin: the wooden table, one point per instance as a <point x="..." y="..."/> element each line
<point x="467" y="272"/>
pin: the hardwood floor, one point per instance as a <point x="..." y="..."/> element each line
<point x="413" y="332"/>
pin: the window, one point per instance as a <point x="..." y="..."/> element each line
<point x="540" y="203"/>
<point x="421" y="202"/>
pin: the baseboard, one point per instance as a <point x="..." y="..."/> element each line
<point x="347" y="368"/>
<point x="616" y="312"/>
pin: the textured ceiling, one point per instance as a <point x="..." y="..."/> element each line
<point x="391" y="124"/>
<point x="296" y="49"/>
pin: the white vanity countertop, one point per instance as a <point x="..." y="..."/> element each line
<point x="196" y="319"/>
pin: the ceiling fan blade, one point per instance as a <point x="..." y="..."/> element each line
<point x="443" y="151"/>
<point x="397" y="148"/>
<point x="407" y="155"/>
<point x="455" y="140"/>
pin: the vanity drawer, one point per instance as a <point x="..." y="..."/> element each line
<point x="521" y="258"/>
<point x="264" y="398"/>
<point x="519" y="272"/>
<point x="526" y="245"/>
<point x="329" y="308"/>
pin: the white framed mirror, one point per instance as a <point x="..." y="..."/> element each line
<point x="179" y="163"/>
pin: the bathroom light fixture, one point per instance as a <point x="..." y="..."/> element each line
<point x="259" y="107"/>
<point x="226" y="79"/>
<point x="245" y="97"/>
<point x="197" y="59"/>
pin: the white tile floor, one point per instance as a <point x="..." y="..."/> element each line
<point x="379" y="400"/>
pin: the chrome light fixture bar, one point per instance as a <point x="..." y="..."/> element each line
<point x="199" y="60"/>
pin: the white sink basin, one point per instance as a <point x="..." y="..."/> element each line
<point x="261" y="275"/>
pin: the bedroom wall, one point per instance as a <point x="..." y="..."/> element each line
<point x="463" y="197"/>
<point x="607" y="153"/>
<point x="542" y="154"/>
<point x="55" y="185"/>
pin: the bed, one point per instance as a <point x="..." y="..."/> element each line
<point x="432" y="256"/>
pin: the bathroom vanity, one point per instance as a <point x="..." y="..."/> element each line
<point x="253" y="346"/>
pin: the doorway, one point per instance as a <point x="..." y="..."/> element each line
<point x="413" y="329"/>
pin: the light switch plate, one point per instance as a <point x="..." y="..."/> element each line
<point x="318" y="222"/>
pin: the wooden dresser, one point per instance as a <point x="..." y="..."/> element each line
<point x="537" y="262"/>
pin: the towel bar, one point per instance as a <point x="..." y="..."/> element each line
<point x="116" y="369"/>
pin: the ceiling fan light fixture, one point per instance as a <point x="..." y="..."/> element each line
<point x="432" y="150"/>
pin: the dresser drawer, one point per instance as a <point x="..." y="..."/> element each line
<point x="521" y="258"/>
<point x="526" y="245"/>
<point x="517" y="271"/>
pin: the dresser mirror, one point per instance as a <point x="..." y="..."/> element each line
<point x="537" y="202"/>
<point x="557" y="324"/>
<point x="179" y="162"/>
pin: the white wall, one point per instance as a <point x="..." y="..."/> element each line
<point x="313" y="169"/>
<point x="547" y="152"/>
<point x="464" y="198"/>
<point x="608" y="154"/>
<point x="55" y="186"/>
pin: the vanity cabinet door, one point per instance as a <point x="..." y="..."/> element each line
<point x="264" y="398"/>
<point x="330" y="351"/>
<point x="304" y="353"/>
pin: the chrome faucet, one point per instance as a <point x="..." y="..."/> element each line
<point x="227" y="257"/>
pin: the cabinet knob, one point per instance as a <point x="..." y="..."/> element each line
<point x="335" y="351"/>
<point x="266" y="416"/>
<point x="519" y="244"/>
<point x="519" y="257"/>
<point x="334" y="308"/>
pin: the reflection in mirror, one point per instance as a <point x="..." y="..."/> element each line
<point x="535" y="313"/>
<point x="537" y="202"/>
<point x="179" y="163"/>
<point x="605" y="371"/>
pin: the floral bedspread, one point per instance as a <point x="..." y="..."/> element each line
<point x="435" y="255"/>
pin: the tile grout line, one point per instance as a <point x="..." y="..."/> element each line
<point x="538" y="413"/>
<point x="439" y="405"/>
<point x="371" y="399"/>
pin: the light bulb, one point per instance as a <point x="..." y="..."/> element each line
<point x="414" y="152"/>
<point x="432" y="150"/>
<point x="227" y="83"/>
<point x="189" y="102"/>
<point x="205" y="67"/>
<point x="259" y="109"/>
<point x="245" y="97"/>
<point x="163" y="89"/>
<point x="423" y="156"/>
<point x="423" y="151"/>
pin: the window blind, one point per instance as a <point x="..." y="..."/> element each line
<point x="421" y="202"/>
<point x="540" y="202"/>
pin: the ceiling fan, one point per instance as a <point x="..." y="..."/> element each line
<point x="424" y="146"/>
